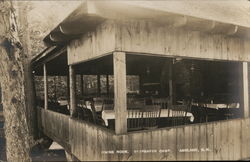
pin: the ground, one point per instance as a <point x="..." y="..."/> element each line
<point x="54" y="153"/>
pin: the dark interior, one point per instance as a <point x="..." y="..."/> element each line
<point x="202" y="81"/>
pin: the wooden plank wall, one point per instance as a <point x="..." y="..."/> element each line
<point x="158" y="39"/>
<point x="221" y="140"/>
<point x="213" y="141"/>
<point x="150" y="37"/>
<point x="88" y="141"/>
<point x="55" y="126"/>
<point x="93" y="44"/>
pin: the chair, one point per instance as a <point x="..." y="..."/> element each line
<point x="96" y="118"/>
<point x="107" y="107"/>
<point x="145" y="118"/>
<point x="135" y="103"/>
<point x="163" y="102"/>
<point x="151" y="115"/>
<point x="108" y="104"/>
<point x="226" y="113"/>
<point x="135" y="120"/>
<point x="179" y="114"/>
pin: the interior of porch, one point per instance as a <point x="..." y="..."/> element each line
<point x="161" y="91"/>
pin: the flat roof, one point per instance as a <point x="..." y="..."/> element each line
<point x="218" y="15"/>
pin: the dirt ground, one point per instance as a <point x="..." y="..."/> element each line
<point x="54" y="153"/>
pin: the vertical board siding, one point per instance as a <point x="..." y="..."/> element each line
<point x="195" y="142"/>
<point x="56" y="126"/>
<point x="217" y="141"/>
<point x="221" y="140"/>
<point x="154" y="38"/>
<point x="237" y="139"/>
<point x="92" y="44"/>
<point x="245" y="140"/>
<point x="224" y="145"/>
<point x="180" y="134"/>
<point x="203" y="142"/>
<point x="188" y="142"/>
<point x="210" y="141"/>
<point x="157" y="39"/>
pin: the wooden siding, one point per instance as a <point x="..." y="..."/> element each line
<point x="120" y="92"/>
<point x="93" y="44"/>
<point x="149" y="37"/>
<point x="55" y="126"/>
<point x="152" y="38"/>
<point x="221" y="140"/>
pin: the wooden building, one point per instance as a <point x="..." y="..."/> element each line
<point x="151" y="38"/>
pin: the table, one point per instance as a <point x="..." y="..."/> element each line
<point x="218" y="106"/>
<point x="98" y="106"/>
<point x="110" y="114"/>
<point x="62" y="102"/>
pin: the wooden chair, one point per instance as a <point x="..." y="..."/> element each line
<point x="151" y="115"/>
<point x="84" y="114"/>
<point x="163" y="102"/>
<point x="97" y="119"/>
<point x="108" y="104"/>
<point x="107" y="107"/>
<point x="179" y="114"/>
<point x="208" y="114"/>
<point x="135" y="103"/>
<point x="135" y="120"/>
<point x="145" y="118"/>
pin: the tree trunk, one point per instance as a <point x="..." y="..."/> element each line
<point x="29" y="87"/>
<point x="12" y="83"/>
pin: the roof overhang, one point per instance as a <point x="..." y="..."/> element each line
<point x="90" y="14"/>
<point x="47" y="55"/>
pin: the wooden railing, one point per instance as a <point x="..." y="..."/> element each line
<point x="221" y="140"/>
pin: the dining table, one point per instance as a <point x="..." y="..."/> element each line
<point x="214" y="105"/>
<point x="110" y="114"/>
<point x="98" y="105"/>
<point x="218" y="105"/>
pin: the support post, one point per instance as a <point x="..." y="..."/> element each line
<point x="107" y="84"/>
<point x="45" y="79"/>
<point x="120" y="92"/>
<point x="68" y="92"/>
<point x="82" y="87"/>
<point x="141" y="91"/>
<point x="72" y="90"/>
<point x="245" y="89"/>
<point x="170" y="82"/>
<point x="99" y="84"/>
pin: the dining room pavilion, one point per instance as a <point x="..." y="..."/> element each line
<point x="175" y="55"/>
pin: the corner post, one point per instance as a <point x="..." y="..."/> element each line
<point x="170" y="82"/>
<point x="98" y="84"/>
<point x="120" y="92"/>
<point x="107" y="83"/>
<point x="245" y="89"/>
<point x="82" y="84"/>
<point x="72" y="90"/>
<point x="45" y="80"/>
